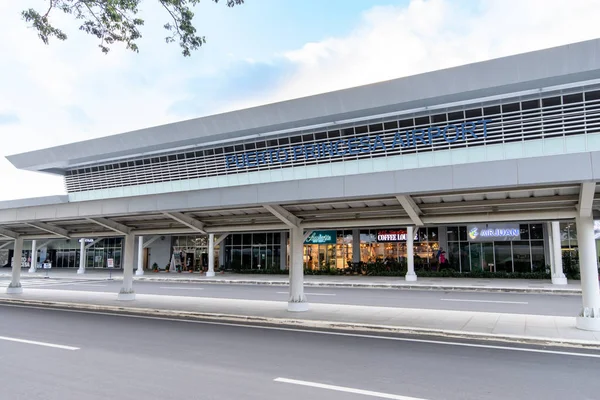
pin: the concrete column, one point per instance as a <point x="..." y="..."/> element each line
<point x="15" y="283"/>
<point x="127" y="292"/>
<point x="33" y="266"/>
<point x="558" y="276"/>
<point x="283" y="251"/>
<point x="140" y="257"/>
<point x="297" y="301"/>
<point x="211" y="255"/>
<point x="81" y="269"/>
<point x="410" y="255"/>
<point x="589" y="318"/>
<point x="355" y="245"/>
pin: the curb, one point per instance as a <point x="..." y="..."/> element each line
<point x="291" y="323"/>
<point x="370" y="286"/>
<point x="359" y="285"/>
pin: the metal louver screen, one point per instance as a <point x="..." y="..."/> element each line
<point x="553" y="115"/>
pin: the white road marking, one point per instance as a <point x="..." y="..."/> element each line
<point x="330" y="333"/>
<point x="345" y="389"/>
<point x="486" y="301"/>
<point x="181" y="288"/>
<point x="311" y="294"/>
<point x="56" y="346"/>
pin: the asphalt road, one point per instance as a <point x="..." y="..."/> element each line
<point x="130" y="358"/>
<point x="538" y="304"/>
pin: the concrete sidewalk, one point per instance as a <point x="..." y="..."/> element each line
<point x="547" y="330"/>
<point x="373" y="282"/>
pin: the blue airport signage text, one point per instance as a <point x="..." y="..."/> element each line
<point x="451" y="133"/>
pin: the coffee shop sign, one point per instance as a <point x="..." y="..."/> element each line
<point x="363" y="144"/>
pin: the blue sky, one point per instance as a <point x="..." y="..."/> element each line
<point x="264" y="51"/>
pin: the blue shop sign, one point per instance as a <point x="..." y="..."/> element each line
<point x="451" y="133"/>
<point x="493" y="232"/>
<point x="321" y="237"/>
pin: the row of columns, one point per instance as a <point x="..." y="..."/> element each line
<point x="588" y="319"/>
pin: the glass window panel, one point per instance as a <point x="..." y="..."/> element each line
<point x="524" y="231"/>
<point x="247" y="239"/>
<point x="537" y="256"/>
<point x="464" y="257"/>
<point x="433" y="234"/>
<point x="236" y="239"/>
<point x="462" y="233"/>
<point x="452" y="232"/>
<point x="259" y="238"/>
<point x="521" y="256"/>
<point x="536" y="232"/>
<point x="503" y="256"/>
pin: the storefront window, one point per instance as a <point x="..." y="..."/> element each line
<point x="521" y="256"/>
<point x="260" y="250"/>
<point x="503" y="255"/>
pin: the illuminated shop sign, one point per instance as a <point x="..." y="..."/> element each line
<point x="451" y="133"/>
<point x="390" y="236"/>
<point x="491" y="232"/>
<point x="321" y="237"/>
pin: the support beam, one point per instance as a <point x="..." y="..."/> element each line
<point x="9" y="234"/>
<point x="33" y="266"/>
<point x="95" y="241"/>
<point x="15" y="283"/>
<point x="188" y="221"/>
<point x="297" y="301"/>
<point x="284" y="215"/>
<point x="45" y="244"/>
<point x="127" y="292"/>
<point x="140" y="260"/>
<point x="589" y="317"/>
<point x="307" y="234"/>
<point x="5" y="245"/>
<point x="211" y="255"/>
<point x="55" y="230"/>
<point x="112" y="225"/>
<point x="586" y="199"/>
<point x="150" y="241"/>
<point x="411" y="209"/>
<point x="221" y="238"/>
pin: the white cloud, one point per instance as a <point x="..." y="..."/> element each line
<point x="70" y="91"/>
<point x="393" y="42"/>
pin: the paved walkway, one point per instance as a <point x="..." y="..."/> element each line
<point x="446" y="284"/>
<point x="480" y="325"/>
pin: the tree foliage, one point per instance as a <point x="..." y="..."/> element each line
<point x="117" y="21"/>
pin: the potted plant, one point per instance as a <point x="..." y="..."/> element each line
<point x="155" y="267"/>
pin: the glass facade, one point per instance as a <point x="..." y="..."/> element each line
<point x="259" y="250"/>
<point x="524" y="255"/>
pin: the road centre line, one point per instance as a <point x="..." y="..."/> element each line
<point x="312" y="331"/>
<point x="312" y="294"/>
<point x="56" y="346"/>
<point x="181" y="288"/>
<point x="345" y="389"/>
<point x="486" y="301"/>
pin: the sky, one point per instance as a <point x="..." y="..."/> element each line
<point x="261" y="52"/>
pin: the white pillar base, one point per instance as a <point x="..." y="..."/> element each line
<point x="411" y="277"/>
<point x="126" y="296"/>
<point x="591" y="323"/>
<point x="559" y="280"/>
<point x="32" y="270"/>
<point x="210" y="274"/>
<point x="80" y="271"/>
<point x="14" y="290"/>
<point x="139" y="272"/>
<point x="298" y="307"/>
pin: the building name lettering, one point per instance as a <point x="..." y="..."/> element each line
<point x="451" y="133"/>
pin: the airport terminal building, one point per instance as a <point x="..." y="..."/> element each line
<point x="490" y="166"/>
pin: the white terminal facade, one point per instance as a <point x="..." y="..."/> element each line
<point x="495" y="163"/>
